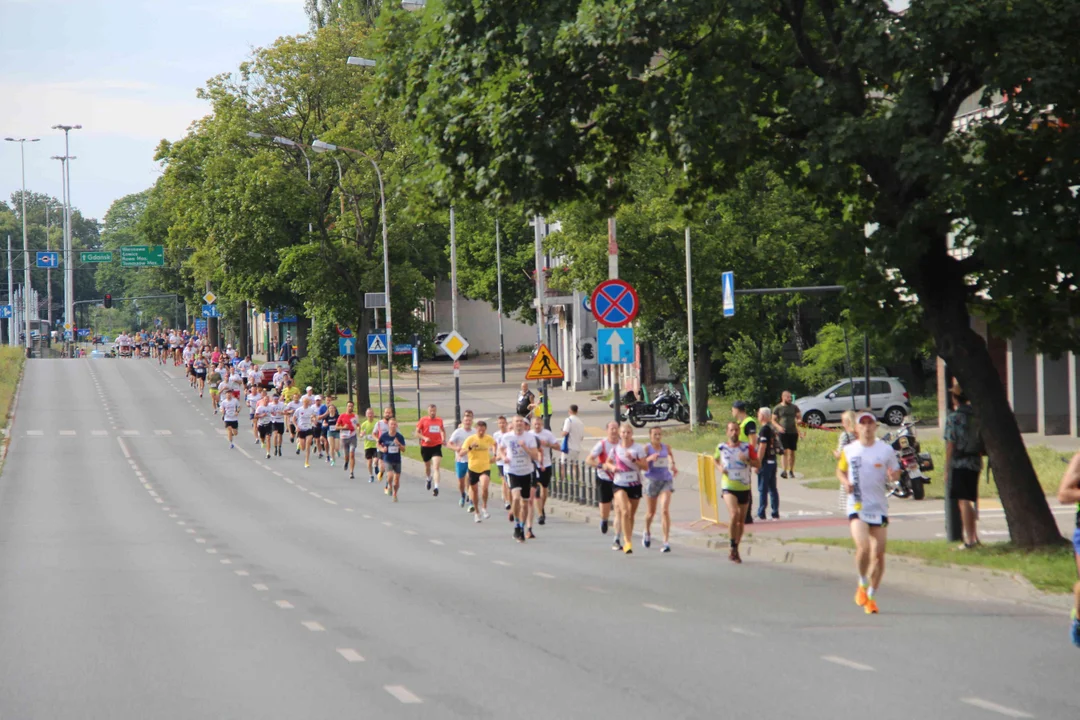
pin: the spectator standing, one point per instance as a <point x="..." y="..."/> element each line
<point x="766" y="474"/>
<point x="526" y="401"/>
<point x="573" y="432"/>
<point x="963" y="461"/>
<point x="786" y="419"/>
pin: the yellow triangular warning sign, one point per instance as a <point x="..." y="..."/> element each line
<point x="544" y="366"/>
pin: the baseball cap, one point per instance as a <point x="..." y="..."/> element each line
<point x="308" y="389"/>
<point x="865" y="415"/>
<point x="318" y="397"/>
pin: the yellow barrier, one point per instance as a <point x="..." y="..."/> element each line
<point x="710" y="509"/>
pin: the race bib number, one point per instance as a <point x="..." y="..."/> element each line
<point x="872" y="518"/>
<point x="661" y="462"/>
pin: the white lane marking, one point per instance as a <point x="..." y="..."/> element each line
<point x="130" y="433"/>
<point x="313" y="626"/>
<point x="158" y="500"/>
<point x="211" y="551"/>
<point x="190" y="530"/>
<point x="593" y="588"/>
<point x="244" y="452"/>
<point x="387" y="523"/>
<point x="349" y="510"/>
<point x="67" y="433"/>
<point x="301" y="488"/>
<point x="366" y="516"/>
<point x="847" y="663"/>
<point x="173" y="515"/>
<point x="260" y="587"/>
<point x="152" y="493"/>
<point x="181" y="522"/>
<point x="123" y="448"/>
<point x="241" y="573"/>
<point x="994" y="707"/>
<point x="315" y="495"/>
<point x="163" y="432"/>
<point x="658" y="608"/>
<point x="99" y="433"/>
<point x="35" y="433"/>
<point x="469" y="553"/>
<point x="546" y="576"/>
<point x="284" y="604"/>
<point x="350" y="655"/>
<point x="222" y="431"/>
<point x="501" y="562"/>
<point x="744" y="631"/>
<point x="291" y="482"/>
<point x="411" y="532"/>
<point x="436" y="542"/>
<point x="225" y="561"/>
<point x="277" y="473"/>
<point x="403" y="694"/>
<point x="328" y="501"/>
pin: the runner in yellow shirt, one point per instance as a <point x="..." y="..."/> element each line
<point x="479" y="448"/>
<point x="371" y="450"/>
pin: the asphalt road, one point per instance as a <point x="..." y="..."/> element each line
<point x="147" y="571"/>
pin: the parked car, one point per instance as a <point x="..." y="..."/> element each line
<point x="267" y="371"/>
<point x="440" y="353"/>
<point x="889" y="401"/>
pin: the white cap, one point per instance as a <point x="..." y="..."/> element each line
<point x="308" y="389"/>
<point x="865" y="414"/>
<point x="318" y="397"/>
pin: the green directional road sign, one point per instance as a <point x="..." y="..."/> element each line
<point x="96" y="257"/>
<point x="142" y="256"/>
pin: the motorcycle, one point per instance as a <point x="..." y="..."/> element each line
<point x="914" y="464"/>
<point x="667" y="405"/>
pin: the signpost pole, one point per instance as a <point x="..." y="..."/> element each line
<point x="691" y="373"/>
<point x="613" y="273"/>
<point x="378" y="365"/>
<point x="348" y="378"/>
<point x="10" y="296"/>
<point x="498" y="272"/>
<point x="453" y="314"/>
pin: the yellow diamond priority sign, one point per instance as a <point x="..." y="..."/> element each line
<point x="209" y="297"/>
<point x="454" y="345"/>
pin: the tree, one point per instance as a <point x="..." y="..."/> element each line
<point x="539" y="100"/>
<point x="477" y="268"/>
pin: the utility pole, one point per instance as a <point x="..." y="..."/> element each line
<point x="691" y="371"/>
<point x="48" y="272"/>
<point x="498" y="271"/>
<point x="613" y="274"/>
<point x="538" y="237"/>
<point x="453" y="314"/>
<point x="10" y="297"/>
<point x="69" y="266"/>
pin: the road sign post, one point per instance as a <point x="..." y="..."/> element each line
<point x="210" y="311"/>
<point x="544" y="366"/>
<point x="614" y="305"/>
<point x="615" y="345"/>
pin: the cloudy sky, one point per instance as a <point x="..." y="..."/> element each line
<point x="127" y="71"/>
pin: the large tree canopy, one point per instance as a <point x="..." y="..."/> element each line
<point x="540" y="101"/>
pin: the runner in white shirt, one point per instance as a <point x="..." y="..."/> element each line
<point x="625" y="465"/>
<point x="519" y="452"/>
<point x="230" y="412"/>
<point x="546" y="441"/>
<point x="252" y="399"/>
<point x="864" y="470"/>
<point x="305" y="426"/>
<point x="461" y="464"/>
<point x="279" y="380"/>
<point x="277" y="421"/>
<point x="605" y="489"/>
<point x="263" y="423"/>
<point x="504" y="427"/>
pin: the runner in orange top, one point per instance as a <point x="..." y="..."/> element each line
<point x="432" y="435"/>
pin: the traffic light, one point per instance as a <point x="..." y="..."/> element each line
<point x="108" y="300"/>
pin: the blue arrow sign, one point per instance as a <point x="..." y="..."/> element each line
<point x="209" y="311"/>
<point x="85" y="332"/>
<point x="48" y="259"/>
<point x="6" y="311"/>
<point x="200" y="325"/>
<point x="728" y="284"/>
<point x="346" y="346"/>
<point x="376" y="344"/>
<point x="415" y="358"/>
<point x="615" y="346"/>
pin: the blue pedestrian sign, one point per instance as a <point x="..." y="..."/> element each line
<point x="615" y="345"/>
<point x="346" y="346"/>
<point x="5" y="311"/>
<point x="48" y="259"/>
<point x="728" y="284"/>
<point x="209" y="311"/>
<point x="376" y="344"/>
<point x="415" y="358"/>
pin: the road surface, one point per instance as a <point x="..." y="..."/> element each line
<point x="147" y="571"/>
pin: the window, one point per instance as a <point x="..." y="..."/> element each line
<point x="880" y="387"/>
<point x="844" y="391"/>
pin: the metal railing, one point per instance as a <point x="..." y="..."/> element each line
<point x="573" y="482"/>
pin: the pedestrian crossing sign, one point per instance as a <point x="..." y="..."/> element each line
<point x="544" y="366"/>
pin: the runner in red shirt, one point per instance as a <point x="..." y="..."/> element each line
<point x="346" y="425"/>
<point x="432" y="435"/>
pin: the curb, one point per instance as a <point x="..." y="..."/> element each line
<point x="952" y="582"/>
<point x="6" y="442"/>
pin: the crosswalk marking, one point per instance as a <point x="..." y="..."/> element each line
<point x="163" y="432"/>
<point x="99" y="433"/>
<point x="130" y="433"/>
<point x="67" y="433"/>
<point x="35" y="433"/>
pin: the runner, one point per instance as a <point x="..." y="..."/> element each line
<point x="264" y="423"/>
<point x="319" y="426"/>
<point x="625" y="465"/>
<point x="519" y="452"/>
<point x="659" y="484"/>
<point x="605" y="490"/>
<point x="330" y="429"/>
<point x="734" y="459"/>
<point x="391" y="443"/>
<point x="865" y="469"/>
<point x="199" y="367"/>
<point x="431" y="432"/>
<point x="304" y="417"/>
<point x="367" y="432"/>
<point x="230" y="413"/>
<point x="479" y="448"/>
<point x="346" y="426"/>
<point x="253" y="398"/>
<point x="545" y="440"/>
<point x="277" y="421"/>
<point x="461" y="467"/>
<point x="382" y="427"/>
<point x="290" y="420"/>
<point x="1069" y="492"/>
<point x="504" y="427"/>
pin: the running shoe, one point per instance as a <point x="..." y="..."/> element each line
<point x="666" y="548"/>
<point x="737" y="558"/>
<point x="542" y="519"/>
<point x="435" y="492"/>
<point x="461" y="502"/>
<point x="519" y="533"/>
<point x="476" y="518"/>
<point x="297" y="450"/>
<point x="628" y="548"/>
<point x="231" y="446"/>
<point x="332" y="463"/>
<point x="486" y="514"/>
<point x="371" y="479"/>
<point x="386" y="489"/>
<point x="429" y="483"/>
<point x="1075" y="629"/>
<point x="529" y="534"/>
<point x="618" y="544"/>
<point x="510" y="517"/>
<point x="871" y="606"/>
<point x="646" y="539"/>
<point x="351" y="476"/>
<point x="861" y="597"/>
<point x="267" y="456"/>
<point x="603" y="526"/>
<point x="307" y="465"/>
<point x="395" y="497"/>
<point x="472" y="508"/>
<point x="506" y="506"/>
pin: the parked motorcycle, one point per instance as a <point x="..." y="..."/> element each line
<point x="668" y="405"/>
<point x="914" y="464"/>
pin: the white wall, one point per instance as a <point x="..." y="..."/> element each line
<point x="479" y="323"/>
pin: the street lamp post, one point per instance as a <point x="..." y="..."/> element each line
<point x="320" y="146"/>
<point x="498" y="272"/>
<point x="69" y="266"/>
<point x="26" y="245"/>
<point x="288" y="143"/>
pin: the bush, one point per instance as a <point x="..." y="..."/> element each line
<point x="756" y="370"/>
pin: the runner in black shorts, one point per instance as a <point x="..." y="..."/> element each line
<point x="519" y="452"/>
<point x="605" y="490"/>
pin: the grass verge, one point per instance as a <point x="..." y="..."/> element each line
<point x="11" y="362"/>
<point x="1049" y="570"/>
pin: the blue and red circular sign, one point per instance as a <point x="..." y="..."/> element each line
<point x="614" y="303"/>
<point x="343" y="332"/>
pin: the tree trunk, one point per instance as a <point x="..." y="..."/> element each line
<point x="944" y="296"/>
<point x="363" y="391"/>
<point x="703" y="376"/>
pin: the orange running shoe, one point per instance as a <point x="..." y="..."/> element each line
<point x="871" y="606"/>
<point x="861" y="597"/>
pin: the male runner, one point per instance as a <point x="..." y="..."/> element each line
<point x="545" y="440"/>
<point x="504" y="427"/>
<point x="253" y="398"/>
<point x="519" y="452"/>
<point x="479" y="448"/>
<point x="290" y="419"/>
<point x="605" y="489"/>
<point x="263" y="423"/>
<point x="461" y="467"/>
<point x="865" y="469"/>
<point x="431" y="432"/>
<point x="277" y="421"/>
<point x="382" y="427"/>
<point x="230" y="412"/>
<point x="391" y="443"/>
<point x="1069" y="492"/>
<point x="371" y="449"/>
<point x="346" y="425"/>
<point x="304" y="418"/>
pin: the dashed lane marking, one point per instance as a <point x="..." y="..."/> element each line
<point x="546" y="576"/>
<point x="403" y="694"/>
<point x="225" y="561"/>
<point x="260" y="587"/>
<point x="503" y="563"/>
<point x="163" y="432"/>
<point x="658" y="608"/>
<point x="994" y="707"/>
<point x="241" y="573"/>
<point x="67" y="433"/>
<point x="313" y="626"/>
<point x="284" y="604"/>
<point x="99" y="433"/>
<point x="130" y="433"/>
<point x="744" y="631"/>
<point x="350" y="655"/>
<point x="411" y="532"/>
<point x="436" y="542"/>
<point x="468" y="553"/>
<point x="847" y="663"/>
<point x="35" y="433"/>
<point x="123" y="448"/>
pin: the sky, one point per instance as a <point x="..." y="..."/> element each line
<point x="127" y="71"/>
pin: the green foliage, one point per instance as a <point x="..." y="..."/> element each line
<point x="307" y="374"/>
<point x="755" y="369"/>
<point x="477" y="269"/>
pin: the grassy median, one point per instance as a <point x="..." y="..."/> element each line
<point x="11" y="363"/>
<point x="1049" y="570"/>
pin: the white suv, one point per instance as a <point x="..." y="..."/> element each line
<point x="889" y="401"/>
